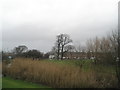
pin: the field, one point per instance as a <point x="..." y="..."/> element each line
<point x="11" y="83"/>
<point x="62" y="74"/>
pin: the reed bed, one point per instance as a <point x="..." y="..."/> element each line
<point x="58" y="75"/>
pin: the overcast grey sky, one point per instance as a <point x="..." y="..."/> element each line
<point x="35" y="23"/>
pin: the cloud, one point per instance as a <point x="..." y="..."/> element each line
<point x="37" y="22"/>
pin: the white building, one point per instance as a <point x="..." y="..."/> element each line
<point x="51" y="57"/>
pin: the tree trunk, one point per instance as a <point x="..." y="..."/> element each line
<point x="96" y="58"/>
<point x="58" y="53"/>
<point x="62" y="53"/>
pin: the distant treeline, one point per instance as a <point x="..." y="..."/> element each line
<point x="22" y="51"/>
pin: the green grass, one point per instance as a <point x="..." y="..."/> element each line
<point x="8" y="82"/>
<point x="0" y="82"/>
<point x="86" y="65"/>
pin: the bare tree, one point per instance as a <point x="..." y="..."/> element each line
<point x="61" y="42"/>
<point x="96" y="48"/>
<point x="65" y="39"/>
<point x="70" y="49"/>
<point x="114" y="42"/>
<point x="90" y="48"/>
<point x="90" y="45"/>
<point x="115" y="50"/>
<point x="105" y="45"/>
<point x="58" y="42"/>
<point x="78" y="48"/>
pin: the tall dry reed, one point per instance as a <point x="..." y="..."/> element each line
<point x="57" y="75"/>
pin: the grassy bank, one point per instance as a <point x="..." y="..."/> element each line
<point x="8" y="82"/>
<point x="62" y="74"/>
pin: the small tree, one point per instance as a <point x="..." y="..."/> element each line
<point x="20" y="49"/>
<point x="35" y="54"/>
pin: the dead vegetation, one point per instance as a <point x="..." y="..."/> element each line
<point x="58" y="75"/>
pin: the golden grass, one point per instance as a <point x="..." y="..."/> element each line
<point x="57" y="75"/>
